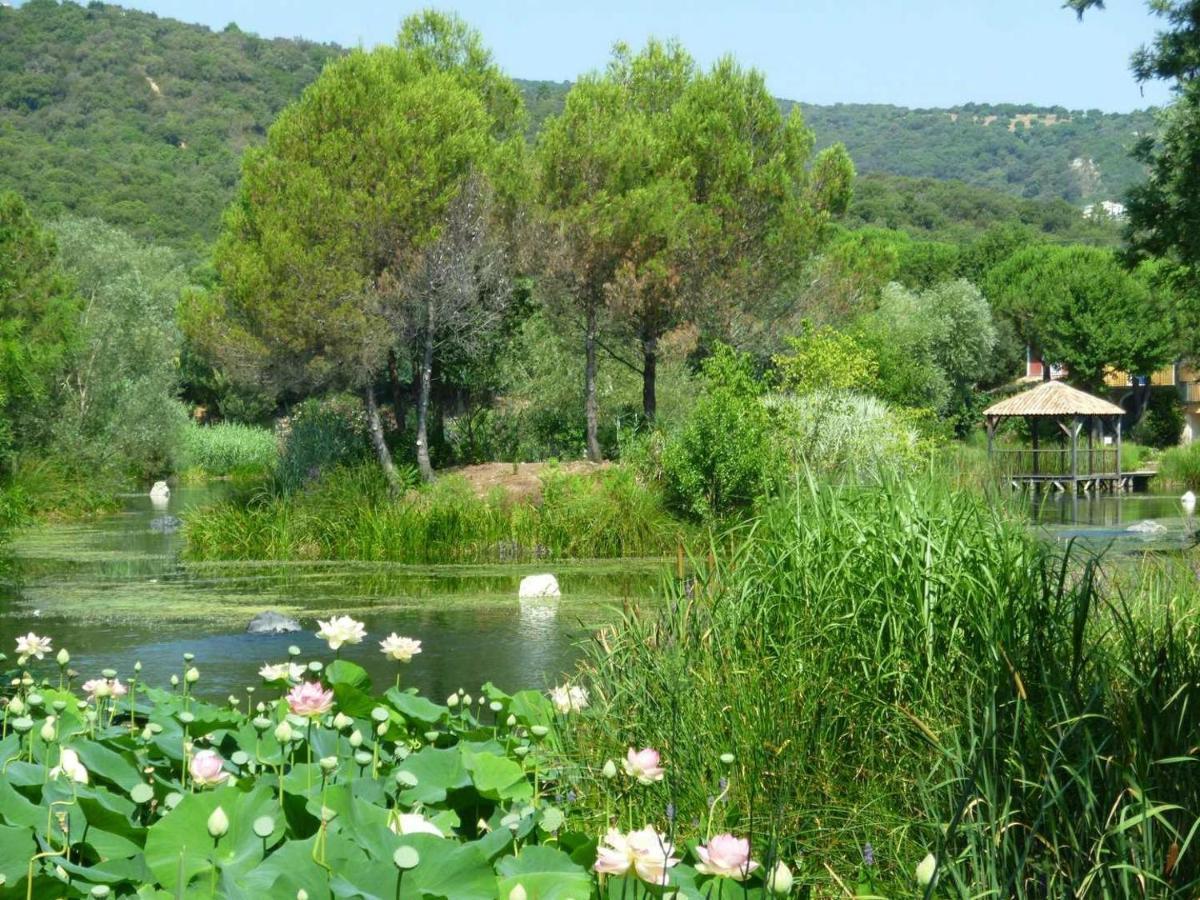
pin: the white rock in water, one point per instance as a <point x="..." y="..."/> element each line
<point x="1147" y="526"/>
<point x="538" y="586"/>
<point x="160" y="492"/>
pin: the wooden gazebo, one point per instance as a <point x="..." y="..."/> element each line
<point x="1067" y="465"/>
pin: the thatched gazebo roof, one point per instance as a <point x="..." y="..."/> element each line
<point x="1052" y="399"/>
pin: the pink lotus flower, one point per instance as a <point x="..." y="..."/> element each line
<point x="207" y="769"/>
<point x="727" y="856"/>
<point x="310" y="699"/>
<point x="643" y="765"/>
<point x="647" y="853"/>
<point x="102" y="687"/>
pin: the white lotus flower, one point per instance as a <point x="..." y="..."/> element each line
<point x="569" y="698"/>
<point x="399" y="649"/>
<point x="282" y="672"/>
<point x="70" y="766"/>
<point x="341" y="630"/>
<point x="413" y="823"/>
<point x="32" y="645"/>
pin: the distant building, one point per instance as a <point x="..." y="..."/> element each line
<point x="1110" y="208"/>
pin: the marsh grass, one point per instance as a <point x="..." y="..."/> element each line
<point x="228" y="449"/>
<point x="349" y="514"/>
<point x="1181" y="466"/>
<point x="908" y="666"/>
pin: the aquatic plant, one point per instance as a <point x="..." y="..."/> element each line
<point x="327" y="790"/>
<point x="1180" y="466"/>
<point x="228" y="448"/>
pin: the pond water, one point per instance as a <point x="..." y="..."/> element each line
<point x="1118" y="522"/>
<point x="113" y="590"/>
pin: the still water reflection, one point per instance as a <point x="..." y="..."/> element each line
<point x="114" y="590"/>
<point x="1118" y="521"/>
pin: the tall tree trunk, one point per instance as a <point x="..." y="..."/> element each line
<point x="423" y="399"/>
<point x="398" y="405"/>
<point x="649" y="376"/>
<point x="590" y="406"/>
<point x="375" y="427"/>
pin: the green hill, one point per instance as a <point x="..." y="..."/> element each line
<point x="141" y="120"/>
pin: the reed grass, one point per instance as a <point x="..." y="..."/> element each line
<point x="909" y="667"/>
<point x="349" y="514"/>
<point x="1180" y="466"/>
<point x="228" y="449"/>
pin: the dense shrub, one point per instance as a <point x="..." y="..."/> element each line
<point x="722" y="457"/>
<point x="320" y="435"/>
<point x="1162" y="424"/>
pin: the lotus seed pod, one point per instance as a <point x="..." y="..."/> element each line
<point x="36" y="699"/>
<point x="100" y="891"/>
<point x="59" y="706"/>
<point x="293" y="650"/>
<point x="110" y="674"/>
<point x="520" y="751"/>
<point x="495" y="706"/>
<point x="261" y="723"/>
<point x="63" y="657"/>
<point x="539" y="731"/>
<point x="328" y="763"/>
<point x="283" y="733"/>
<point x="218" y="823"/>
<point x="22" y="725"/>
<point x="362" y="758"/>
<point x="188" y="657"/>
<point x="342" y="721"/>
<point x="610" y="769"/>
<point x="780" y="880"/>
<point x="187" y="718"/>
<point x="356" y="738"/>
<point x="192" y="675"/>
<point x="379" y="714"/>
<point x="727" y="759"/>
<point x="315" y="666"/>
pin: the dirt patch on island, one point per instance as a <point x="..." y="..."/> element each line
<point x="520" y="481"/>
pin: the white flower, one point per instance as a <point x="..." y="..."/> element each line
<point x="282" y="672"/>
<point x="413" y="823"/>
<point x="399" y="649"/>
<point x="569" y="698"/>
<point x="69" y="765"/>
<point x="925" y="870"/>
<point x="218" y="823"/>
<point x="341" y="630"/>
<point x="32" y="645"/>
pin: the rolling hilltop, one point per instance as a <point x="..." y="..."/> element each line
<point x="141" y="120"/>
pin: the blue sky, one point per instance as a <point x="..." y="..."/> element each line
<point x="907" y="52"/>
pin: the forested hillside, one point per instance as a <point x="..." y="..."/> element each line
<point x="141" y="120"/>
<point x="133" y="118"/>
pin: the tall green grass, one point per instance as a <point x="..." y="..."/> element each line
<point x="228" y="449"/>
<point x="349" y="514"/>
<point x="909" y="667"/>
<point x="1181" y="466"/>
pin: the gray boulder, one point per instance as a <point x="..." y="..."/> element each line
<point x="271" y="622"/>
<point x="165" y="524"/>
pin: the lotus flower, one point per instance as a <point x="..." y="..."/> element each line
<point x="69" y="765"/>
<point x="643" y="765"/>
<point x="310" y="699"/>
<point x="103" y="687"/>
<point x="341" y="630"/>
<point x="727" y="856"/>
<point x="413" y="823"/>
<point x="32" y="645"/>
<point x="282" y="672"/>
<point x="399" y="649"/>
<point x="646" y="852"/>
<point x="569" y="698"/>
<point x="207" y="769"/>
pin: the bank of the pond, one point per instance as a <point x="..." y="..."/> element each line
<point x="348" y="514"/>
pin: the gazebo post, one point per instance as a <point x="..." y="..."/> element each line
<point x="1033" y="434"/>
<point x="1091" y="435"/>
<point x="1119" y="484"/>
<point x="1074" y="451"/>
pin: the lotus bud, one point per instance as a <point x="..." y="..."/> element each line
<point x="452" y="701"/>
<point x="147" y="734"/>
<point x="466" y="699"/>
<point x="137" y="666"/>
<point x="356" y="738"/>
<point x="103" y="689"/>
<point x="302" y="894"/>
<point x="91" y="717"/>
<point x="517" y="893"/>
<point x="192" y="675"/>
<point x="610" y="769"/>
<point x="283" y="733"/>
<point x="342" y="721"/>
<point x="218" y="823"/>
<point x="47" y="731"/>
<point x="511" y="720"/>
<point x="780" y="880"/>
<point x="926" y="869"/>
<point x="63" y="657"/>
<point x="174" y="681"/>
<point x="233" y="701"/>
<point x="16" y="707"/>
<point x="328" y="763"/>
<point x="381" y="730"/>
